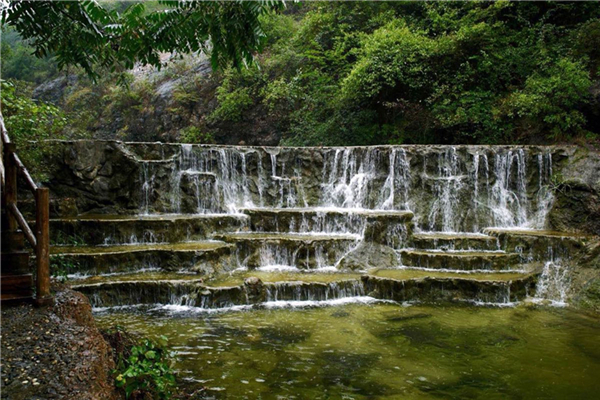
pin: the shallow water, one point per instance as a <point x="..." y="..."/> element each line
<point x="382" y="351"/>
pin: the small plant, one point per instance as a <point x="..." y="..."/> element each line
<point x="558" y="184"/>
<point x="193" y="134"/>
<point x="61" y="267"/>
<point x="146" y="370"/>
<point x="62" y="239"/>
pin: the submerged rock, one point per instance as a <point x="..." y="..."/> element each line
<point x="255" y="290"/>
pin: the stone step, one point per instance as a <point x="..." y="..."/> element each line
<point x="403" y="273"/>
<point x="204" y="257"/>
<point x="406" y="286"/>
<point x="537" y="244"/>
<point x="245" y="288"/>
<point x="239" y="277"/>
<point x="196" y="294"/>
<point x="143" y="275"/>
<point x="454" y="241"/>
<point x="278" y="237"/>
<point x="460" y="260"/>
<point x="307" y="251"/>
<point x="95" y="230"/>
<point x="318" y="219"/>
<point x="381" y="226"/>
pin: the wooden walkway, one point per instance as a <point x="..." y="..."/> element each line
<point x="16" y="276"/>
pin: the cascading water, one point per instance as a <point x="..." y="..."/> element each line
<point x="449" y="189"/>
<point x="446" y="188"/>
<point x="554" y="282"/>
<point x="457" y="190"/>
<point x="147" y="178"/>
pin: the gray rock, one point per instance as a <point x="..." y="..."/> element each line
<point x="369" y="255"/>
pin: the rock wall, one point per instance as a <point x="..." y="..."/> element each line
<point x="577" y="192"/>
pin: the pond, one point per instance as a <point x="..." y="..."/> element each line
<point x="377" y="350"/>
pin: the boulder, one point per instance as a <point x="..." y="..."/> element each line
<point x="369" y="255"/>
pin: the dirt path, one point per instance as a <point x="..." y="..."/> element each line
<point x="55" y="352"/>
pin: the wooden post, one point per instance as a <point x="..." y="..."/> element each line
<point x="10" y="185"/>
<point x="42" y="228"/>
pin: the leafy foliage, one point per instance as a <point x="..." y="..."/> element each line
<point x="18" y="62"/>
<point x="27" y="120"/>
<point x="86" y="34"/>
<point x="61" y="267"/>
<point x="352" y="73"/>
<point x="193" y="134"/>
<point x="440" y="72"/>
<point x="146" y="370"/>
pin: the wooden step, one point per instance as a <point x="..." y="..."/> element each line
<point x="14" y="299"/>
<point x="16" y="288"/>
<point x="12" y="241"/>
<point x="15" y="262"/>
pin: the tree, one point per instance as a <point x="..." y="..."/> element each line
<point x="86" y="34"/>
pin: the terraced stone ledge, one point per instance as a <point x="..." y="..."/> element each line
<point x="205" y="257"/>
<point x="321" y="219"/>
<point x="536" y="244"/>
<point x="93" y="230"/>
<point x="454" y="241"/>
<point x="460" y="260"/>
<point x="495" y="289"/>
<point x="307" y="251"/>
<point x="398" y="285"/>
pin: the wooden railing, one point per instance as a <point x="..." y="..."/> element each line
<point x="10" y="168"/>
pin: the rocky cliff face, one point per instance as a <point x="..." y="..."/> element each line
<point x="577" y="192"/>
<point x="159" y="106"/>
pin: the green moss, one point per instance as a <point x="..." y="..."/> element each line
<point x="589" y="297"/>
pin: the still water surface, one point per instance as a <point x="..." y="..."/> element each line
<point x="379" y="351"/>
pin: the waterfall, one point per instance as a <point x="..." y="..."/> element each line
<point x="398" y="180"/>
<point x="147" y="178"/>
<point x="446" y="189"/>
<point x="508" y="198"/>
<point x="299" y="291"/>
<point x="458" y="189"/>
<point x="554" y="282"/>
<point x="544" y="196"/>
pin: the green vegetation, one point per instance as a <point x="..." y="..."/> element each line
<point x="365" y="73"/>
<point x="351" y="73"/>
<point x="193" y="134"/>
<point x="114" y="36"/>
<point x="146" y="371"/>
<point x="143" y="366"/>
<point x="62" y="267"/>
<point x="27" y="120"/>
